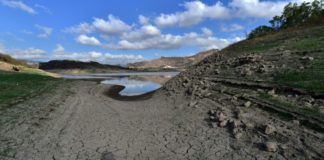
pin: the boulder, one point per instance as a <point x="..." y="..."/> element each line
<point x="296" y="122"/>
<point x="221" y="116"/>
<point x="247" y="104"/>
<point x="193" y="103"/>
<point x="15" y="68"/>
<point x="269" y="129"/>
<point x="238" y="135"/>
<point x="272" y="92"/>
<point x="271" y="146"/>
<point x="223" y="123"/>
<point x="214" y="124"/>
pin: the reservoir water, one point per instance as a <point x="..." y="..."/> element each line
<point x="136" y="83"/>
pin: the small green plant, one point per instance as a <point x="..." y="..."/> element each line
<point x="14" y="86"/>
<point x="310" y="79"/>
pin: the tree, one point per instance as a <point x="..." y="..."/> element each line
<point x="276" y="22"/>
<point x="294" y="15"/>
<point x="260" y="31"/>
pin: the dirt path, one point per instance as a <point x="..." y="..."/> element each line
<point x="80" y="122"/>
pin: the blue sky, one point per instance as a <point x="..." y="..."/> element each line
<point x="123" y="31"/>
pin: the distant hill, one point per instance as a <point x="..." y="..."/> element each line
<point x="8" y="63"/>
<point x="10" y="60"/>
<point x="172" y="62"/>
<point x="70" y="66"/>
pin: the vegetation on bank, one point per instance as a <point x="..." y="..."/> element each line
<point x="311" y="78"/>
<point x="15" y="87"/>
<point x="10" y="60"/>
<point x="294" y="15"/>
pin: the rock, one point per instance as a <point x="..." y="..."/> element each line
<point x="214" y="124"/>
<point x="221" y="116"/>
<point x="15" y="68"/>
<point x="223" y="123"/>
<point x="234" y="98"/>
<point x="263" y="69"/>
<point x="249" y="125"/>
<point x="236" y="124"/>
<point x="212" y="118"/>
<point x="193" y="104"/>
<point x="208" y="94"/>
<point x="271" y="146"/>
<point x="247" y="104"/>
<point x="269" y="129"/>
<point x="308" y="105"/>
<point x="272" y="92"/>
<point x="238" y="135"/>
<point x="296" y="122"/>
<point x="307" y="58"/>
<point x="321" y="109"/>
<point x="287" y="52"/>
<point x="217" y="71"/>
<point x="211" y="112"/>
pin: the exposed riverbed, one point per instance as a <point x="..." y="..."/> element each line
<point x="135" y="83"/>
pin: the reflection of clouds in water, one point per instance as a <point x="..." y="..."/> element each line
<point x="129" y="83"/>
<point x="133" y="87"/>
<point x="135" y="83"/>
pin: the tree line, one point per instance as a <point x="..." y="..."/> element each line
<point x="293" y="15"/>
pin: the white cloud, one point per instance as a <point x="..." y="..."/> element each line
<point x="203" y="40"/>
<point x="231" y="28"/>
<point x="45" y="9"/>
<point x="144" y="32"/>
<point x="113" y="25"/>
<point x="82" y="28"/>
<point x="195" y="12"/>
<point x="2" y="48"/>
<point x="106" y="58"/>
<point x="86" y="40"/>
<point x="45" y="31"/>
<point x="122" y="59"/>
<point x="143" y="20"/>
<point x="27" y="32"/>
<point x="59" y="49"/>
<point x="207" y="32"/>
<point x="28" y="54"/>
<point x="19" y="5"/>
<point x="257" y="8"/>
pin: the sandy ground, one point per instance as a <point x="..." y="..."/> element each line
<point x="78" y="121"/>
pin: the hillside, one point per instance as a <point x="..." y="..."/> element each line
<point x="7" y="63"/>
<point x="69" y="66"/>
<point x="267" y="91"/>
<point x="172" y="62"/>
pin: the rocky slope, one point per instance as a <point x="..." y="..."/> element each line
<point x="266" y="92"/>
<point x="172" y="62"/>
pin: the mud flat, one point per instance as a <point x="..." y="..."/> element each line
<point x="79" y="121"/>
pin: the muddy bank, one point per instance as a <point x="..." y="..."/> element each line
<point x="79" y="121"/>
<point x="114" y="92"/>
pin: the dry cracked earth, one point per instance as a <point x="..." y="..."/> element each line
<point x="206" y="115"/>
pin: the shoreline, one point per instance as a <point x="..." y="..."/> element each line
<point x="114" y="92"/>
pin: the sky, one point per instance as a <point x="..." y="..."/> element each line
<point x="127" y="31"/>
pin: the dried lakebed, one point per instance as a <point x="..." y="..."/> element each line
<point x="134" y="83"/>
<point x="78" y="121"/>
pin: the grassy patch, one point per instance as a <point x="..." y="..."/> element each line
<point x="311" y="79"/>
<point x="308" y="44"/>
<point x="14" y="86"/>
<point x="313" y="112"/>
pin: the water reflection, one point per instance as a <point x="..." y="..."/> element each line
<point x="136" y="83"/>
<point x="133" y="87"/>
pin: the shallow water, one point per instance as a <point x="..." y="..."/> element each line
<point x="136" y="83"/>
